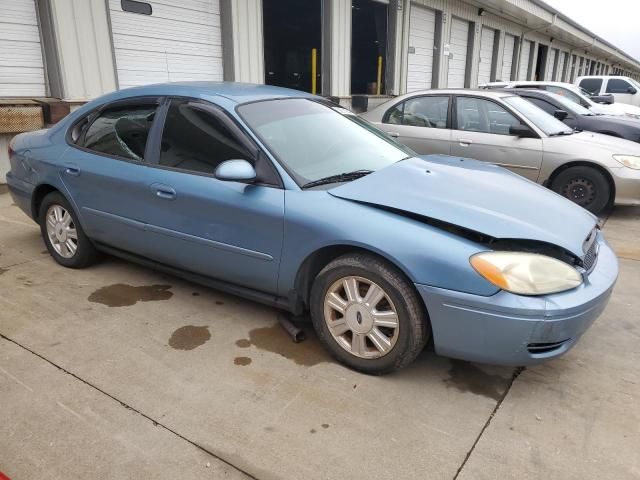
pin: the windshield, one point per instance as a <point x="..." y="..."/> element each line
<point x="313" y="141"/>
<point x="541" y="119"/>
<point x="569" y="106"/>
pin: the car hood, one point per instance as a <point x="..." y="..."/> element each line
<point x="593" y="145"/>
<point x="615" y="120"/>
<point x="476" y="196"/>
<point x="615" y="109"/>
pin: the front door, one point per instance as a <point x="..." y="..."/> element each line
<point x="421" y="123"/>
<point x="226" y="230"/>
<point x="482" y="133"/>
<point x="105" y="173"/>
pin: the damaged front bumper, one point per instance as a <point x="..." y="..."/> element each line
<point x="509" y="329"/>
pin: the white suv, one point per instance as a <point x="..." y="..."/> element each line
<point x="623" y="89"/>
<point x="575" y="94"/>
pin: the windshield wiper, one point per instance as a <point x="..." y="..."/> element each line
<point x="341" y="177"/>
<point x="562" y="132"/>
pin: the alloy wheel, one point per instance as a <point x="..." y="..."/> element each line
<point x="61" y="231"/>
<point x="361" y="317"/>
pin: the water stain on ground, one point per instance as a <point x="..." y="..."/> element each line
<point x="3" y="270"/>
<point x="219" y="302"/>
<point x="467" y="377"/>
<point x="4" y="189"/>
<point x="189" y="337"/>
<point x="242" y="361"/>
<point x="122" y="295"/>
<point x="275" y="340"/>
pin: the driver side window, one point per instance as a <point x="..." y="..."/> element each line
<point x="120" y="131"/>
<point x="196" y="140"/>
<point x="478" y="115"/>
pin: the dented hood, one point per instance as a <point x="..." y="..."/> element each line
<point x="476" y="196"/>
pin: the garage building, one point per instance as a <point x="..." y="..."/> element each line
<point x="360" y="51"/>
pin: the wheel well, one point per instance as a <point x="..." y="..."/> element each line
<point x="595" y="166"/>
<point x="312" y="266"/>
<point x="39" y="193"/>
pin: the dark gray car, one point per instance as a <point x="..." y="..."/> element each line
<point x="580" y="118"/>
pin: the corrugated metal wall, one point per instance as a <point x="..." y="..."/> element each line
<point x="83" y="44"/>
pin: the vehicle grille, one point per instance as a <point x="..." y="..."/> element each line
<point x="591" y="255"/>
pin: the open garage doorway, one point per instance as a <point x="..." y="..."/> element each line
<point x="541" y="62"/>
<point x="292" y="40"/>
<point x="369" y="23"/>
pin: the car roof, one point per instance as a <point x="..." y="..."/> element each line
<point x="459" y="91"/>
<point x="233" y="91"/>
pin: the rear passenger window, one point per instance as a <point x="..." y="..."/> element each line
<point x="615" y="85"/>
<point x="120" y="131"/>
<point x="197" y="141"/>
<point x="591" y="85"/>
<point x="430" y="112"/>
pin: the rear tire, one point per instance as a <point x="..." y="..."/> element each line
<point x="62" y="233"/>
<point x="585" y="186"/>
<point x="368" y="315"/>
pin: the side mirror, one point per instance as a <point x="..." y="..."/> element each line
<point x="522" y="131"/>
<point x="560" y="114"/>
<point x="632" y="90"/>
<point x="235" y="171"/>
<point x="605" y="99"/>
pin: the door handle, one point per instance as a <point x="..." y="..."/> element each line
<point x="71" y="169"/>
<point x="393" y="134"/>
<point x="163" y="191"/>
<point x="465" y="142"/>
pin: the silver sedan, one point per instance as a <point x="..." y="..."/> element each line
<point x="591" y="169"/>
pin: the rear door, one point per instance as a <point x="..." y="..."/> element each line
<point x="226" y="230"/>
<point x="105" y="172"/>
<point x="481" y="131"/>
<point x="422" y="123"/>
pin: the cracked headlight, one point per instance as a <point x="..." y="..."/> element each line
<point x="629" y="161"/>
<point x="526" y="273"/>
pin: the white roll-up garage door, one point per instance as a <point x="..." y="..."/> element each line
<point x="486" y="55"/>
<point x="458" y="44"/>
<point x="507" y="56"/>
<point x="422" y="27"/>
<point x="178" y="41"/>
<point x="525" y="55"/>
<point x="560" y="69"/>
<point x="21" y="66"/>
<point x="550" y="74"/>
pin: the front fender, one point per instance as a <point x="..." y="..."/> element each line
<point x="426" y="254"/>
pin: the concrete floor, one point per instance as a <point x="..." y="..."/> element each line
<point x="117" y="371"/>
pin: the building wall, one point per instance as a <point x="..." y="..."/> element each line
<point x="81" y="43"/>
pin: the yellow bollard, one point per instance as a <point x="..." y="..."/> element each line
<point x="379" y="82"/>
<point x="314" y="70"/>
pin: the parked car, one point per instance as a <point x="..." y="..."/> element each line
<point x="278" y="196"/>
<point x="580" y="118"/>
<point x="623" y="89"/>
<point x="599" y="105"/>
<point x="591" y="169"/>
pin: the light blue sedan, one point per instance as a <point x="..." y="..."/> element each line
<point x="287" y="199"/>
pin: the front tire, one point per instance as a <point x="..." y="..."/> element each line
<point x="62" y="233"/>
<point x="368" y="315"/>
<point x="584" y="186"/>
